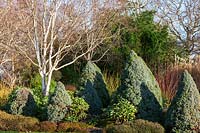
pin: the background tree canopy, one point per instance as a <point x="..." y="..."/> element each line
<point x="150" y="40"/>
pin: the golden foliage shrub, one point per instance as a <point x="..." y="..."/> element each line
<point x="47" y="126"/>
<point x="10" y="122"/>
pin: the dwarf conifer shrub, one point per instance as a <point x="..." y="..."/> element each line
<point x="183" y="114"/>
<point x="21" y="102"/>
<point x="93" y="88"/>
<point x="139" y="86"/>
<point x="59" y="103"/>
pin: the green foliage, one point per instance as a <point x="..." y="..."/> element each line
<point x="136" y="126"/>
<point x="71" y="74"/>
<point x="93" y="88"/>
<point x="21" y="101"/>
<point x="183" y="114"/>
<point x="78" y="109"/>
<point x="119" y="129"/>
<point x="148" y="39"/>
<point x="123" y="111"/>
<point x="59" y="103"/>
<point x="89" y="94"/>
<point x="139" y="86"/>
<point x="56" y="76"/>
<point x="36" y="87"/>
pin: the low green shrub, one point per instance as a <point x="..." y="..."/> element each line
<point x="78" y="109"/>
<point x="120" y="129"/>
<point x="10" y="122"/>
<point x="137" y="126"/>
<point x="21" y="101"/>
<point x="144" y="126"/>
<point x="59" y="104"/>
<point x="122" y="111"/>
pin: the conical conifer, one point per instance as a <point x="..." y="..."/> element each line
<point x="183" y="114"/>
<point x="139" y="86"/>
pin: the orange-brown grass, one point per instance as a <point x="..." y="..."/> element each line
<point x="169" y="79"/>
<point x="10" y="122"/>
<point x="168" y="82"/>
<point x="4" y="93"/>
<point x="70" y="87"/>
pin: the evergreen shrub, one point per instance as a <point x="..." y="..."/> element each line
<point x="59" y="104"/>
<point x="183" y="114"/>
<point x="93" y="88"/>
<point x="139" y="86"/>
<point x="21" y="102"/>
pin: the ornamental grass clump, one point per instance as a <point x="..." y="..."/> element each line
<point x="93" y="88"/>
<point x="183" y="114"/>
<point x="59" y="103"/>
<point x="139" y="86"/>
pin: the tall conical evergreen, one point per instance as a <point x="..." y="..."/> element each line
<point x="183" y="114"/>
<point x="93" y="88"/>
<point x="139" y="86"/>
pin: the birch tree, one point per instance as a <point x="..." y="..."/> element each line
<point x="48" y="31"/>
<point x="60" y="21"/>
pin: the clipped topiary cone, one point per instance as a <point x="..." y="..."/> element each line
<point x="139" y="86"/>
<point x="93" y="88"/>
<point x="183" y="114"/>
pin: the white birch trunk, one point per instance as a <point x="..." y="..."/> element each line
<point x="48" y="84"/>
